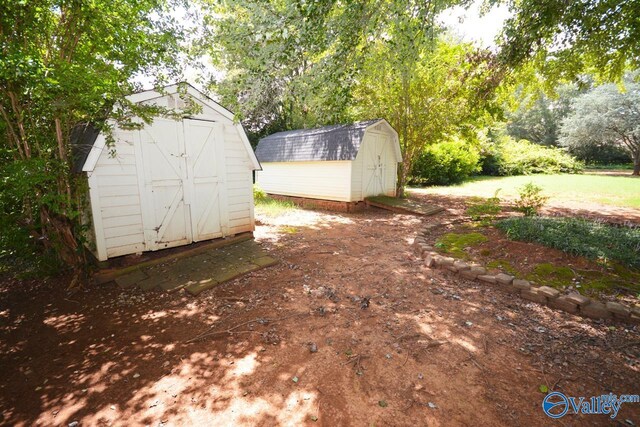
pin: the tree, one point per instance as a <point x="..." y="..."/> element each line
<point x="538" y="116"/>
<point x="448" y="90"/>
<point x="65" y="62"/>
<point x="565" y="38"/>
<point x="280" y="69"/>
<point x="606" y="116"/>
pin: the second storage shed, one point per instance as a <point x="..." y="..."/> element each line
<point x="343" y="163"/>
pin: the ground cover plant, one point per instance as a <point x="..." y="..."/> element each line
<point x="576" y="236"/>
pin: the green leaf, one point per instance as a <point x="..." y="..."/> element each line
<point x="543" y="388"/>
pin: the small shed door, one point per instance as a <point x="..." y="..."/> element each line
<point x="205" y="162"/>
<point x="374" y="170"/>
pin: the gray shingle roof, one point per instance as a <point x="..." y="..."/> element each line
<point x="83" y="136"/>
<point x="336" y="142"/>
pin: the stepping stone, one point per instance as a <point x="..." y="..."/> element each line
<point x="130" y="279"/>
<point x="173" y="283"/>
<point x="246" y="268"/>
<point x="226" y="275"/>
<point x="265" y="261"/>
<point x="149" y="283"/>
<point x="202" y="285"/>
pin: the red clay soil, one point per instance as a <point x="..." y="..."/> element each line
<point x="349" y="329"/>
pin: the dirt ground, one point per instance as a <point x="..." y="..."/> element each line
<point x="348" y="329"/>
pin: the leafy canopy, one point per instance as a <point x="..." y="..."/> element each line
<point x="566" y="38"/>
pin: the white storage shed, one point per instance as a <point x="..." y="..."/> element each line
<point x="171" y="183"/>
<point x="343" y="163"/>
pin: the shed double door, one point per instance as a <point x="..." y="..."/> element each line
<point x="182" y="172"/>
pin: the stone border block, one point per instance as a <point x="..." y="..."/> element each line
<point x="595" y="310"/>
<point x="504" y="279"/>
<point x="522" y="285"/>
<point x="563" y="303"/>
<point x="461" y="265"/>
<point x="473" y="272"/>
<point x="532" y="294"/>
<point x="573" y="303"/>
<point x="576" y="298"/>
<point x="487" y="278"/>
<point x="549" y="292"/>
<point x="618" y="310"/>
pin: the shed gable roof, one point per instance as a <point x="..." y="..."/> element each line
<point x="336" y="142"/>
<point x="87" y="161"/>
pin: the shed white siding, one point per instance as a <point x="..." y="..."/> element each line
<point x="115" y="199"/>
<point x="328" y="180"/>
<point x="171" y="183"/>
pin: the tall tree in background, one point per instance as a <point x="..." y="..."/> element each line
<point x="538" y="116"/>
<point x="280" y="69"/>
<point x="606" y="116"/>
<point x="64" y="62"/>
<point x="448" y="90"/>
<point x="566" y="38"/>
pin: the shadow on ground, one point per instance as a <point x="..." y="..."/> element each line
<point x="395" y="342"/>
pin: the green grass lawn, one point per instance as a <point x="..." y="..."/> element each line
<point x="620" y="191"/>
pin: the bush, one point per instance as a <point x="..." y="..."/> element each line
<point x="531" y="199"/>
<point x="601" y="154"/>
<point x="510" y="157"/>
<point x="259" y="194"/>
<point x="445" y="163"/>
<point x="578" y="237"/>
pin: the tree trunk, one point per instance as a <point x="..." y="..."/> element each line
<point x="636" y="162"/>
<point x="401" y="183"/>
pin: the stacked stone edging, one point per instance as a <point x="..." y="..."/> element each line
<point x="573" y="303"/>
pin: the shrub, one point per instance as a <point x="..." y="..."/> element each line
<point x="578" y="236"/>
<point x="444" y="163"/>
<point x="484" y="210"/>
<point x="259" y="194"/>
<point x="531" y="199"/>
<point x="510" y="157"/>
<point x="601" y="154"/>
